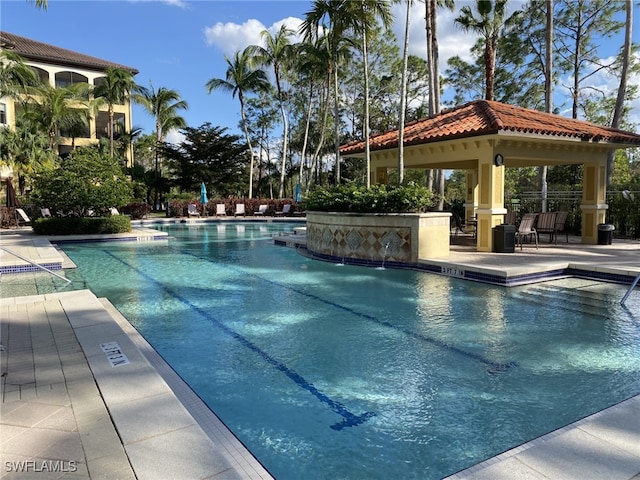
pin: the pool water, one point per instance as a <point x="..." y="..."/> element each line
<point x="342" y="372"/>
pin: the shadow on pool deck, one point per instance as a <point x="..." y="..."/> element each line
<point x="63" y="400"/>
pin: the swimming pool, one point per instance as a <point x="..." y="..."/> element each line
<point x="328" y="371"/>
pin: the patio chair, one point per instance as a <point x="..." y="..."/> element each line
<point x="262" y="209"/>
<point x="561" y="219"/>
<point x="45" y="212"/>
<point x="221" y="210"/>
<point x="463" y="226"/>
<point x="546" y="224"/>
<point x="22" y="217"/>
<point x="239" y="210"/>
<point x="286" y="210"/>
<point x="114" y="211"/>
<point x="510" y="218"/>
<point x="525" y="229"/>
<point x="193" y="210"/>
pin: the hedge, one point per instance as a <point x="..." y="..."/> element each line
<point x="82" y="225"/>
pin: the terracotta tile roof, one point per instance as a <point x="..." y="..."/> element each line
<point x="32" y="50"/>
<point x="484" y="117"/>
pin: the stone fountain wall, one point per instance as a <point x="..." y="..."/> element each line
<point x="397" y="237"/>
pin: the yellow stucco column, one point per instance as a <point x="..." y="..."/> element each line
<point x="471" y="196"/>
<point x="379" y="176"/>
<point x="594" y="206"/>
<point x="491" y="209"/>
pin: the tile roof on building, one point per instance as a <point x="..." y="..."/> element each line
<point x="485" y="117"/>
<point x="42" y="52"/>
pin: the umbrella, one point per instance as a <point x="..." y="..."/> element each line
<point x="12" y="200"/>
<point x="203" y="194"/>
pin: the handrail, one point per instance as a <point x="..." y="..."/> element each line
<point x="35" y="264"/>
<point x="633" y="285"/>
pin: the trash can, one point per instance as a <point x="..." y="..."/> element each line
<point x="504" y="238"/>
<point x="605" y="233"/>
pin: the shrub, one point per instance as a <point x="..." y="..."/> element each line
<point x="82" y="225"/>
<point x="136" y="210"/>
<point x="406" y="198"/>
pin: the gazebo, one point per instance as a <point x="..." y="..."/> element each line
<point x="484" y="137"/>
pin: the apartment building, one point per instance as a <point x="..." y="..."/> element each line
<point x="61" y="67"/>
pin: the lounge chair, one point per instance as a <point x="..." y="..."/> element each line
<point x="546" y="224"/>
<point x="45" y="212"/>
<point x="193" y="210"/>
<point x="262" y="209"/>
<point x="286" y="210"/>
<point x="221" y="210"/>
<point x="22" y="217"/>
<point x="239" y="210"/>
<point x="525" y="229"/>
<point x="114" y="211"/>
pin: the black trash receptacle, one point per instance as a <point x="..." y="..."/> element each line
<point x="605" y="233"/>
<point x="504" y="238"/>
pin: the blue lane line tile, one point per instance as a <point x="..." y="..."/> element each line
<point x="349" y="419"/>
<point x="494" y="367"/>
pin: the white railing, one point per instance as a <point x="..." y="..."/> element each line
<point x="36" y="265"/>
<point x="633" y="285"/>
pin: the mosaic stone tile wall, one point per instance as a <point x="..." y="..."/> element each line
<point x="400" y="238"/>
<point x="367" y="242"/>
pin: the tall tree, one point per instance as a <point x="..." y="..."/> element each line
<point x="366" y="14"/>
<point x="241" y="79"/>
<point x="403" y="92"/>
<point x="164" y="105"/>
<point x="334" y="18"/>
<point x="622" y="87"/>
<point x="581" y="26"/>
<point x="114" y="88"/>
<point x="489" y="23"/>
<point x="277" y="53"/>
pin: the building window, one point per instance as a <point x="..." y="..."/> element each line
<point x="3" y="114"/>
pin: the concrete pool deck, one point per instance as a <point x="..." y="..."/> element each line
<point x="67" y="396"/>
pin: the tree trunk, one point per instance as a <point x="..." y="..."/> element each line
<point x="403" y="95"/>
<point x="622" y="88"/>
<point x="548" y="94"/>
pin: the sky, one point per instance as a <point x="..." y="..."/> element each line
<point x="181" y="44"/>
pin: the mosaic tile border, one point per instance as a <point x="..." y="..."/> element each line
<point x="29" y="268"/>
<point x="471" y="275"/>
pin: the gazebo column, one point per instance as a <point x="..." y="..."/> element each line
<point x="471" y="197"/>
<point x="491" y="209"/>
<point x="594" y="206"/>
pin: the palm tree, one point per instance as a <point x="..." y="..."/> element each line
<point x="43" y="4"/>
<point x="115" y="88"/>
<point x="56" y="109"/>
<point x="163" y="104"/>
<point x="278" y="53"/>
<point x="241" y="79"/>
<point x="403" y="93"/>
<point x="15" y="75"/>
<point x="335" y="19"/>
<point x="488" y="24"/>
<point x="365" y="14"/>
<point x="314" y="63"/>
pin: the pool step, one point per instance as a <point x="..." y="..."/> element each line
<point x="548" y="298"/>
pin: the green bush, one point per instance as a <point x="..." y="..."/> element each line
<point x="82" y="225"/>
<point x="406" y="198"/>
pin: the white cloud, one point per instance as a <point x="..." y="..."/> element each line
<point x="232" y="37"/>
<point x="174" y="137"/>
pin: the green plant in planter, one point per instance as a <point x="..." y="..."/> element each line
<point x="406" y="198"/>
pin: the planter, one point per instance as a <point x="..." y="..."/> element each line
<point x="393" y="237"/>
